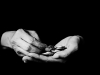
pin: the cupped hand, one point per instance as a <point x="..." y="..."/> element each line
<point x="71" y="43"/>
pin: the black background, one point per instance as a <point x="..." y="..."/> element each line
<point x="52" y="24"/>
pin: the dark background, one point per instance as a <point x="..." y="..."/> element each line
<point x="52" y="24"/>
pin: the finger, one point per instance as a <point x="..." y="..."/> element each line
<point x="20" y="53"/>
<point x="16" y="48"/>
<point x="63" y="42"/>
<point x="56" y="55"/>
<point x="25" y="58"/>
<point x="34" y="34"/>
<point x="42" y="57"/>
<point x="34" y="55"/>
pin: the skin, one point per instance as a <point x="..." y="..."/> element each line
<point x="5" y="39"/>
<point x="70" y="42"/>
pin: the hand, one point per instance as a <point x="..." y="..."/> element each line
<point x="22" y="44"/>
<point x="70" y="42"/>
